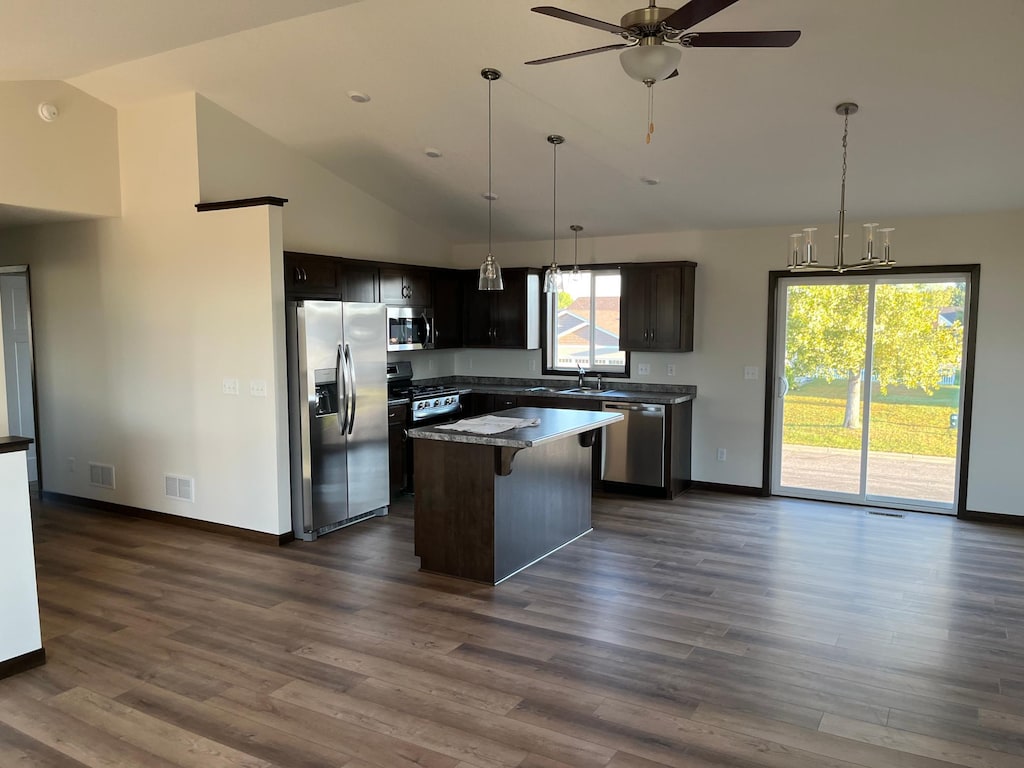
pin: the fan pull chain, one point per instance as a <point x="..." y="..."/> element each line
<point x="650" y="112"/>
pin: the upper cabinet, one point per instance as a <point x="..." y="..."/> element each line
<point x="447" y="309"/>
<point x="407" y="286"/>
<point x="311" y="276"/>
<point x="657" y="307"/>
<point x="508" y="319"/>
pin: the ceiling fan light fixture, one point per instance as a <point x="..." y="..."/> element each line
<point x="651" y="61"/>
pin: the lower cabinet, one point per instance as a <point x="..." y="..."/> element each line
<point x="399" y="474"/>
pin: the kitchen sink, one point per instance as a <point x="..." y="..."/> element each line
<point x="540" y="389"/>
<point x="579" y="391"/>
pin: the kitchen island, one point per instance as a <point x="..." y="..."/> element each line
<point x="487" y="506"/>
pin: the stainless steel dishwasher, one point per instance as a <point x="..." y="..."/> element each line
<point x="634" y="448"/>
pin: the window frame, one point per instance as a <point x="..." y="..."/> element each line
<point x="547" y="320"/>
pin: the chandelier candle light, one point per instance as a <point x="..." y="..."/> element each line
<point x="553" y="275"/>
<point x="490" y="270"/>
<point x="874" y="255"/>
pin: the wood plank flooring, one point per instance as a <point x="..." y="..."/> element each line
<point x="710" y="631"/>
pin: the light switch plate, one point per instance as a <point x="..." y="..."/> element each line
<point x="230" y="386"/>
<point x="258" y="388"/>
<point x="750" y="372"/>
<point x="670" y="370"/>
<point x="644" y="369"/>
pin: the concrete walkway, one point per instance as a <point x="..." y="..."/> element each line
<point x="927" y="478"/>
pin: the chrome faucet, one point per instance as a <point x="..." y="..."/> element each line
<point x="581" y="375"/>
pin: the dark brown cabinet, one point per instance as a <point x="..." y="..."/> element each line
<point x="508" y="319"/>
<point x="311" y="275"/>
<point x="397" y="415"/>
<point x="447" y="309"/>
<point x="657" y="307"/>
<point x="406" y="286"/>
<point x="358" y="281"/>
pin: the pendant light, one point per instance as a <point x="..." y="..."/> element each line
<point x="576" y="229"/>
<point x="490" y="270"/>
<point x="553" y="275"/>
<point x="803" y="255"/>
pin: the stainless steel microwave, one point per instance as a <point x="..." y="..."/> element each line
<point x="410" y="328"/>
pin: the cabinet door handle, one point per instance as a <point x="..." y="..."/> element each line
<point x="652" y="334"/>
<point x="645" y="334"/>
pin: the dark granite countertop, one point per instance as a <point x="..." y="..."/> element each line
<point x="555" y="424"/>
<point x="630" y="392"/>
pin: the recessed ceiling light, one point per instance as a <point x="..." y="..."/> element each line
<point x="359" y="97"/>
<point x="650" y="181"/>
<point x="432" y="152"/>
<point x="489" y="195"/>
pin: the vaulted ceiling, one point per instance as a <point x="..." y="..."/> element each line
<point x="743" y="137"/>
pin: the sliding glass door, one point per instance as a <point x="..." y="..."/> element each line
<point x="867" y="392"/>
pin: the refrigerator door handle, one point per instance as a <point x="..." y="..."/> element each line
<point x="350" y="390"/>
<point x="341" y="381"/>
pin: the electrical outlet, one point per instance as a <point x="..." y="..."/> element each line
<point x="258" y="388"/>
<point x="750" y="373"/>
<point x="721" y="454"/>
<point x="71" y="464"/>
<point x="230" y="386"/>
<point x="533" y="364"/>
<point x="670" y="370"/>
<point x="644" y="369"/>
<point x="471" y="363"/>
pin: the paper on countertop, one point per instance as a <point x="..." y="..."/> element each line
<point x="488" y="425"/>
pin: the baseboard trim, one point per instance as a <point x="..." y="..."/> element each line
<point x="992" y="517"/>
<point x="737" y="490"/>
<point x="22" y="663"/>
<point x="274" y="539"/>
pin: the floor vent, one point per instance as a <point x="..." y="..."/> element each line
<point x="180" y="488"/>
<point x="879" y="513"/>
<point x="101" y="475"/>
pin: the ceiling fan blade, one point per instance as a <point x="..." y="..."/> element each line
<point x="779" y="39"/>
<point x="578" y="53"/>
<point x="558" y="13"/>
<point x="694" y="12"/>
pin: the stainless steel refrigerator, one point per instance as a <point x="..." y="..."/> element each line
<point x="338" y="404"/>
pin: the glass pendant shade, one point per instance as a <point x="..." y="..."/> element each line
<point x="650" y="62"/>
<point x="490" y="275"/>
<point x="553" y="279"/>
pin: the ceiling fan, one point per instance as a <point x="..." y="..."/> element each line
<point x="645" y="55"/>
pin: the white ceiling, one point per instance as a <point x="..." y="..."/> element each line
<point x="744" y="137"/>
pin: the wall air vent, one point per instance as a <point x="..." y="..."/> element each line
<point x="880" y="513"/>
<point x="180" y="488"/>
<point x="101" y="475"/>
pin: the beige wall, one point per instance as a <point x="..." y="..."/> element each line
<point x="324" y="214"/>
<point x="70" y="164"/>
<point x="731" y="332"/>
<point x="138" y="320"/>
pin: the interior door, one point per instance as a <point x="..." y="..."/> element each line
<point x="17" y="343"/>
<point x="867" y="395"/>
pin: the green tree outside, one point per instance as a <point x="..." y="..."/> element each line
<point x="826" y="327"/>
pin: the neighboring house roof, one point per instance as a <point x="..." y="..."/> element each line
<point x="949" y="316"/>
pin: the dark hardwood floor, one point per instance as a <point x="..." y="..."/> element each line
<point x="710" y="631"/>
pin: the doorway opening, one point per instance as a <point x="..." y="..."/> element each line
<point x="872" y="376"/>
<point x="18" y="364"/>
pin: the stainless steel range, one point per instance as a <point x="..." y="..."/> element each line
<point x="428" y="403"/>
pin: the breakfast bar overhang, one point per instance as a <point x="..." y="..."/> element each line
<point x="487" y="506"/>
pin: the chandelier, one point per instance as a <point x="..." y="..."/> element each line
<point x="876" y="251"/>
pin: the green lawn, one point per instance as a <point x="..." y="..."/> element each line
<point x="902" y="421"/>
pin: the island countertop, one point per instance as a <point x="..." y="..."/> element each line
<point x="555" y="424"/>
